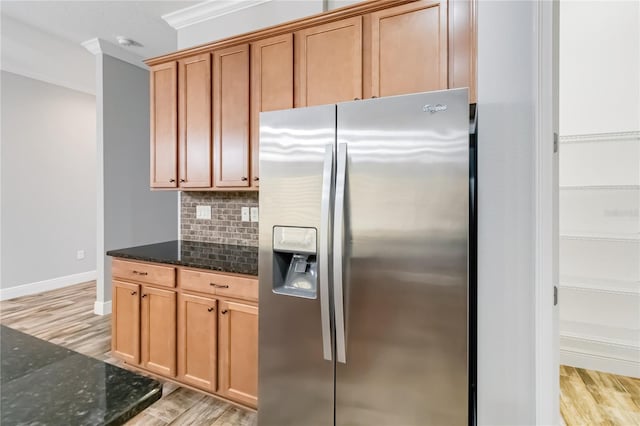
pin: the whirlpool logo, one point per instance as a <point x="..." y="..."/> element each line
<point x="434" y="108"/>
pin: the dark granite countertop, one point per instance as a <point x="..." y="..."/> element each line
<point x="46" y="384"/>
<point x="196" y="254"/>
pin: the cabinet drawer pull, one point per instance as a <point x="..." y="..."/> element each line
<point x="133" y="293"/>
<point x="218" y="285"/>
<point x="172" y="180"/>
<point x="224" y="311"/>
<point x="140" y="273"/>
<point x="356" y="99"/>
<point x="243" y="178"/>
<point x="210" y="309"/>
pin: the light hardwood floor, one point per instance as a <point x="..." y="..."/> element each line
<point x="66" y="317"/>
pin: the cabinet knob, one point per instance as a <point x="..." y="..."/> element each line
<point x="182" y="180"/>
<point x="143" y="296"/>
<point x="133" y="293"/>
<point x="256" y="178"/>
<point x="356" y="99"/>
<point x="373" y="97"/>
<point x="210" y="309"/>
<point x="243" y="178"/>
<point x="224" y="311"/>
<point x="172" y="180"/>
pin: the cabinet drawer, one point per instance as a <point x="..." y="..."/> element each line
<point x="144" y="272"/>
<point x="219" y="284"/>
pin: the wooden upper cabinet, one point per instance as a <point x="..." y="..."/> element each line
<point x="164" y="125"/>
<point x="125" y="342"/>
<point x="408" y="48"/>
<point x="194" y="87"/>
<point x="231" y="116"/>
<point x="158" y="330"/>
<point x="328" y="63"/>
<point x="271" y="87"/>
<point x="238" y="358"/>
<point x="463" y="46"/>
<point x="197" y="341"/>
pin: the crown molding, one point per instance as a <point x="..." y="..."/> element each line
<point x="207" y="10"/>
<point x="98" y="46"/>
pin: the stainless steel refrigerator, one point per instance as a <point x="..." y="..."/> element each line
<point x="364" y="263"/>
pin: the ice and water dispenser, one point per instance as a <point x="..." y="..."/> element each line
<point x="295" y="261"/>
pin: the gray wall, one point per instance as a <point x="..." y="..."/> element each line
<point x="129" y="213"/>
<point x="506" y="113"/>
<point x="48" y="181"/>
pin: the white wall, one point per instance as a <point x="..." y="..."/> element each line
<point x="28" y="51"/>
<point x="48" y="185"/>
<point x="250" y="19"/>
<point x="600" y="186"/>
<point x="129" y="213"/>
<point x="507" y="63"/>
<point x="599" y="66"/>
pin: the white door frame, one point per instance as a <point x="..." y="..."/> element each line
<point x="547" y="375"/>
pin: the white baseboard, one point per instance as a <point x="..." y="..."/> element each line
<point x="102" y="308"/>
<point x="589" y="353"/>
<point x="46" y="285"/>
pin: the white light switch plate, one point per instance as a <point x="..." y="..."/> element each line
<point x="254" y="214"/>
<point x="203" y="212"/>
<point x="245" y="214"/>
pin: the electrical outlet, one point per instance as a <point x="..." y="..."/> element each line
<point x="80" y="254"/>
<point x="203" y="212"/>
<point x="254" y="214"/>
<point x="245" y="214"/>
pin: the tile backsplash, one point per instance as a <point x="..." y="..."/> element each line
<point x="225" y="225"/>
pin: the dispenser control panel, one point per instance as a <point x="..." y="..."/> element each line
<point x="294" y="239"/>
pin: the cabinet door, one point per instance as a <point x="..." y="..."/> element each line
<point x="409" y="48"/>
<point x="271" y="86"/>
<point x="231" y="116"/>
<point x="238" y="345"/>
<point x="164" y="125"/>
<point x="125" y="321"/>
<point x="197" y="341"/>
<point x="328" y="63"/>
<point x="195" y="121"/>
<point x="158" y="335"/>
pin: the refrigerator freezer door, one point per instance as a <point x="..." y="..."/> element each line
<point x="296" y="368"/>
<point x="404" y="260"/>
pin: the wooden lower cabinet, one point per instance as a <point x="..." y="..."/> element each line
<point x="125" y="339"/>
<point x="158" y="330"/>
<point x="238" y="352"/>
<point x="203" y="334"/>
<point x="197" y="341"/>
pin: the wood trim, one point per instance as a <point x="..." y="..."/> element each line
<point x="288" y="27"/>
<point x="134" y="321"/>
<point x="173" y="67"/>
<point x="463" y="46"/>
<point x="217" y="116"/>
<point x="183" y="138"/>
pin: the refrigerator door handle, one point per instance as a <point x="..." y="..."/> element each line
<point x="338" y="253"/>
<point x="323" y="258"/>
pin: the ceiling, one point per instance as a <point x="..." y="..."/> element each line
<point x="78" y="21"/>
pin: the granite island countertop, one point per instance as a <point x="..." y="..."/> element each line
<point x="196" y="254"/>
<point x="46" y="384"/>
